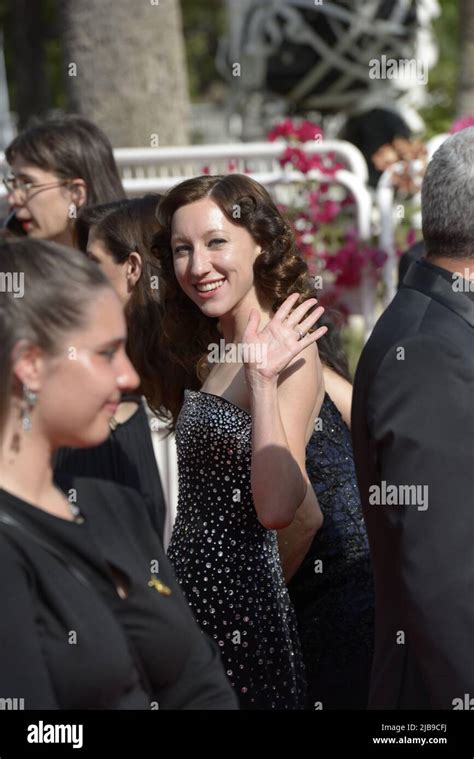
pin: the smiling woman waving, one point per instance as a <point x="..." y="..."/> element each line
<point x="230" y="270"/>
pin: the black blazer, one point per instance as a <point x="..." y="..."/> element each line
<point x="414" y="253"/>
<point x="126" y="458"/>
<point x="413" y="424"/>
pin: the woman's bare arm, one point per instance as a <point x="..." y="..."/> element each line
<point x="285" y="391"/>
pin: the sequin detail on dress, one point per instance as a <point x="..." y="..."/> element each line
<point x="227" y="562"/>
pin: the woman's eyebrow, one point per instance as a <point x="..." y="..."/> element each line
<point x="90" y="255"/>
<point x="115" y="342"/>
<point x="207" y="232"/>
<point x="24" y="175"/>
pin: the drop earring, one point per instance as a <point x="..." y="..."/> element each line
<point x="72" y="211"/>
<point x="29" y="402"/>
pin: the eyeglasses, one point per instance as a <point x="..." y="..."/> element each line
<point x="14" y="184"/>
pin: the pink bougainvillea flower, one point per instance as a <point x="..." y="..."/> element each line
<point x="325" y="232"/>
<point x="308" y="131"/>
<point x="330" y="210"/>
<point x="285" y="128"/>
<point x="461" y="123"/>
<point x="376" y="257"/>
<point x="296" y="157"/>
<point x="348" y="200"/>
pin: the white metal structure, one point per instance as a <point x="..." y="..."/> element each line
<point x="339" y="38"/>
<point x="186" y="161"/>
<point x="157" y="169"/>
<point x="385" y="203"/>
<point x="389" y="219"/>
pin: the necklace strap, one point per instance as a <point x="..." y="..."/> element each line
<point x="8" y="521"/>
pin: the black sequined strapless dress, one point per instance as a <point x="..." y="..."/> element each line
<point x="227" y="562"/>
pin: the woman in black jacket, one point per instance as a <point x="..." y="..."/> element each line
<point x="92" y="617"/>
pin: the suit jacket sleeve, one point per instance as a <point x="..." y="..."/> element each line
<point x="421" y="417"/>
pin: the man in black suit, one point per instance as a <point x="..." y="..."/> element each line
<point x="413" y="434"/>
<point x="414" y="253"/>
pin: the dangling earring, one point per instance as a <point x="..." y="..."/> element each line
<point x="29" y="400"/>
<point x="72" y="211"/>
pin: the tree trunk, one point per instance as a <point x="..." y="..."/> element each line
<point x="125" y="69"/>
<point x="465" y="99"/>
<point x="31" y="85"/>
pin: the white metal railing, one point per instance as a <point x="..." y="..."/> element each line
<point x="157" y="169"/>
<point x="185" y="161"/>
<point x="435" y="142"/>
<point x="385" y="194"/>
<point x="190" y="159"/>
<point x="389" y="219"/>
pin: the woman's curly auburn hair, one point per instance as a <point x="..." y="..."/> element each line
<point x="279" y="271"/>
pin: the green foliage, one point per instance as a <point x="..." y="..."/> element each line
<point x="443" y="78"/>
<point x="53" y="64"/>
<point x="353" y="341"/>
<point x="203" y="23"/>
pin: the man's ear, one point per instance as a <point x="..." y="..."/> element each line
<point x="27" y="364"/>
<point x="134" y="268"/>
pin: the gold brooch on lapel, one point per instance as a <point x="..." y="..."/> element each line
<point x="154" y="582"/>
